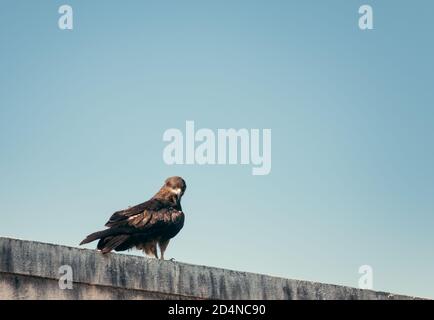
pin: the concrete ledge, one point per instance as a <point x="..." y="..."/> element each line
<point x="30" y="270"/>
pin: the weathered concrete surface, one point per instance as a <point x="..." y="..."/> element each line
<point x="30" y="270"/>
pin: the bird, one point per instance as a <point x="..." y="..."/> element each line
<point x="147" y="225"/>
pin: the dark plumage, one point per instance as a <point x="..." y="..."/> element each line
<point x="145" y="225"/>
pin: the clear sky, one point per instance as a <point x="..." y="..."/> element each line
<point x="83" y="112"/>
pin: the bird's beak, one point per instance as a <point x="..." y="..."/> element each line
<point x="178" y="192"/>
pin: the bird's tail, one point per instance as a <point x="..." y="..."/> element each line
<point x="112" y="243"/>
<point x="96" y="235"/>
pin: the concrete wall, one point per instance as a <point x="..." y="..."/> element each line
<point x="30" y="270"/>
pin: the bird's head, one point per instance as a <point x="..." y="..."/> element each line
<point x="176" y="185"/>
<point x="173" y="189"/>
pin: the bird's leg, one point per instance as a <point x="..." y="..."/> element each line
<point x="151" y="250"/>
<point x="163" y="246"/>
<point x="154" y="250"/>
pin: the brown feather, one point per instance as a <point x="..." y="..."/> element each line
<point x="144" y="225"/>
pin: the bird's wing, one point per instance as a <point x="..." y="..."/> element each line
<point x="164" y="223"/>
<point x="137" y="216"/>
<point x="147" y="219"/>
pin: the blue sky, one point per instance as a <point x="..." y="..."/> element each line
<point x="83" y="112"/>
